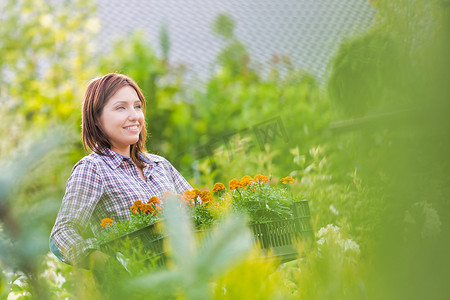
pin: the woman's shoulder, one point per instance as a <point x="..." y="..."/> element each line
<point x="90" y="161"/>
<point x="90" y="158"/>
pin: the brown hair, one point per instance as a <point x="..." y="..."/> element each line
<point x="96" y="96"/>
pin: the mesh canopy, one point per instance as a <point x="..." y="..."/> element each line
<point x="306" y="31"/>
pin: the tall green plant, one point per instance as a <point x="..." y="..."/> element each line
<point x="44" y="64"/>
<point x="44" y="58"/>
<point x="24" y="238"/>
<point x="168" y="113"/>
<point x="193" y="265"/>
<point x="401" y="152"/>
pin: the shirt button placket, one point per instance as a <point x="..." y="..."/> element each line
<point x="141" y="181"/>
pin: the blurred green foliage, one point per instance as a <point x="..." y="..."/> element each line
<point x="401" y="141"/>
<point x="188" y="123"/>
<point x="193" y="264"/>
<point x="263" y="202"/>
<point x="44" y="52"/>
<point x="368" y="151"/>
<point x="163" y="86"/>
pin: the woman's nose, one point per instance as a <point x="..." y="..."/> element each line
<point x="133" y="115"/>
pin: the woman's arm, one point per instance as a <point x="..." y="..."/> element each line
<point x="83" y="191"/>
<point x="181" y="184"/>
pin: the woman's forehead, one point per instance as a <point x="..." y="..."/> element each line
<point x="125" y="94"/>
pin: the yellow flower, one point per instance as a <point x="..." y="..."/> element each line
<point x="206" y="196"/>
<point x="196" y="192"/>
<point x="218" y="187"/>
<point x="146" y="208"/>
<point x="245" y="181"/>
<point x="261" y="178"/>
<point x="136" y="206"/>
<point x="105" y="222"/>
<point x="189" y="195"/>
<point x="154" y="200"/>
<point x="234" y="184"/>
<point x="287" y="179"/>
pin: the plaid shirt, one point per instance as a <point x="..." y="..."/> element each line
<point x="105" y="187"/>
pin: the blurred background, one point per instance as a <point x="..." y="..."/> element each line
<point x="348" y="97"/>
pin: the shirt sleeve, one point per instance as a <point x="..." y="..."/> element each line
<point x="181" y="184"/>
<point x="83" y="191"/>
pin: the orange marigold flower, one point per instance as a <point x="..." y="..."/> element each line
<point x="205" y="193"/>
<point x="234" y="184"/>
<point x="105" y="222"/>
<point x="144" y="208"/>
<point x="245" y="181"/>
<point x="152" y="208"/>
<point x="138" y="203"/>
<point x="206" y="196"/>
<point x="154" y="200"/>
<point x="189" y="195"/>
<point x="261" y="178"/>
<point x="147" y="208"/>
<point x="136" y="206"/>
<point x="287" y="179"/>
<point x="196" y="192"/>
<point x="218" y="187"/>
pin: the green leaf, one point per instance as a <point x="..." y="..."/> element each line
<point x="180" y="231"/>
<point x="226" y="245"/>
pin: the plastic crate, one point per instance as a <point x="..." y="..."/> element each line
<point x="148" y="239"/>
<point x="275" y="238"/>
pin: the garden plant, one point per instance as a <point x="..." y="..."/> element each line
<point x="367" y="148"/>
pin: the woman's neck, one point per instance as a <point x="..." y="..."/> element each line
<point x="125" y="152"/>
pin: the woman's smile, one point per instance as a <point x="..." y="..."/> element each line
<point x="122" y="120"/>
<point x="132" y="128"/>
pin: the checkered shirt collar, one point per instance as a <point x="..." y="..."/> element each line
<point x="114" y="159"/>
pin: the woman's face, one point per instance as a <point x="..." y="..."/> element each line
<point x="122" y="119"/>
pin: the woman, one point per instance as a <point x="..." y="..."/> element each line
<point x="105" y="183"/>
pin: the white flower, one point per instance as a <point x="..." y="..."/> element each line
<point x="334" y="210"/>
<point x="331" y="235"/>
<point x="351" y="245"/>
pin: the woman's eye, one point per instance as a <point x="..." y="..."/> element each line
<point x="138" y="106"/>
<point x="120" y="107"/>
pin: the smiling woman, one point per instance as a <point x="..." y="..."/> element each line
<point x="112" y="103"/>
<point x="118" y="172"/>
<point x="122" y="120"/>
